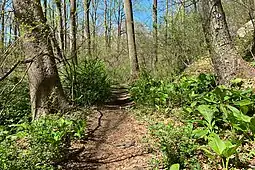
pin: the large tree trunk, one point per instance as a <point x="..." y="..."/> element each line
<point x="131" y="38"/>
<point x="86" y="25"/>
<point x="73" y="29"/>
<point x="226" y="61"/>
<point x="45" y="87"/>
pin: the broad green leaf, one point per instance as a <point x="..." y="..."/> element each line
<point x="217" y="145"/>
<point x="193" y="104"/>
<point x="230" y="149"/>
<point x="207" y="112"/>
<point x="175" y="167"/>
<point x="239" y="115"/>
<point x="200" y="133"/>
<point x="209" y="100"/>
<point x="244" y="102"/>
<point x="224" y="110"/>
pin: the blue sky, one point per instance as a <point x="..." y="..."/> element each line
<point x="143" y="11"/>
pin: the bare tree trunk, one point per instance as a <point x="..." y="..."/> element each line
<point x="65" y="25"/>
<point x="119" y="22"/>
<point x="106" y="23"/>
<point x="86" y="25"/>
<point x="45" y="87"/>
<point x="227" y="62"/>
<point x="166" y="22"/>
<point x="11" y="18"/>
<point x="155" y="34"/>
<point x="94" y="23"/>
<point x="2" y="25"/>
<point x="73" y="30"/>
<point x="195" y="5"/>
<point x="60" y="24"/>
<point x="131" y="38"/>
<point x="15" y="29"/>
<point x="45" y="8"/>
<point x="110" y="26"/>
<point x="53" y="16"/>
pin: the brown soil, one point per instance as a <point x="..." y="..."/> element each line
<point x="115" y="139"/>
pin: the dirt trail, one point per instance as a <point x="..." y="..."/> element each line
<point x="115" y="142"/>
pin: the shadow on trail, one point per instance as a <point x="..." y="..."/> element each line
<point x="98" y="150"/>
<point x="120" y="99"/>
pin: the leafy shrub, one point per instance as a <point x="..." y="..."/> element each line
<point x="151" y="92"/>
<point x="39" y="144"/>
<point x="157" y="93"/>
<point x="177" y="144"/>
<point x="89" y="83"/>
<point x="14" y="105"/>
<point x="223" y="118"/>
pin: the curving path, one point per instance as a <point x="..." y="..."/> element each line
<point x="115" y="139"/>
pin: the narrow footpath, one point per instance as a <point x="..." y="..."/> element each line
<point x="116" y="139"/>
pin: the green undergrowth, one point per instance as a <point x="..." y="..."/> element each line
<point x="14" y="101"/>
<point x="88" y="84"/>
<point x="27" y="145"/>
<point x="204" y="125"/>
<point x="40" y="144"/>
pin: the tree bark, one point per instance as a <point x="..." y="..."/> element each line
<point x="45" y="87"/>
<point x="226" y="61"/>
<point x="86" y="25"/>
<point x="73" y="30"/>
<point x="131" y="38"/>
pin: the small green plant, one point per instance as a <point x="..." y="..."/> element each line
<point x="221" y="148"/>
<point x="176" y="143"/>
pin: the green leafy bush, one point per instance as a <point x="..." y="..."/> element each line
<point x="89" y="83"/>
<point x="39" y="144"/>
<point x="151" y="92"/>
<point x="158" y="93"/>
<point x="14" y="104"/>
<point x="177" y="144"/>
<point x="223" y="118"/>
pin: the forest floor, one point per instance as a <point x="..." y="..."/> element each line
<point x="115" y="139"/>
